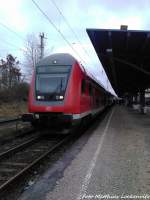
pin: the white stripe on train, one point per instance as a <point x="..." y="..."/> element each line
<point x="93" y="112"/>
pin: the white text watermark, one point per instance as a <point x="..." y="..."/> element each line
<point x="108" y="196"/>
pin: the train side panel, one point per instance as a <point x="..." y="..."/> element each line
<point x="72" y="98"/>
<point x="83" y="97"/>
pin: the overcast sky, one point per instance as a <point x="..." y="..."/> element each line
<point x="24" y="18"/>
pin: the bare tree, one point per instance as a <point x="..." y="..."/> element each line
<point x="34" y="48"/>
<point x="32" y="51"/>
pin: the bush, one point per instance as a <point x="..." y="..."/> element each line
<point x="16" y="93"/>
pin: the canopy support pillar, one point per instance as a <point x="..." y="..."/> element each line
<point x="142" y="101"/>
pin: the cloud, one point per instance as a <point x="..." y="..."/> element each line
<point x="24" y="18"/>
<point x="10" y="14"/>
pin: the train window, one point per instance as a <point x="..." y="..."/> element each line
<point x="53" y="69"/>
<point x="90" y="89"/>
<point x="83" y="86"/>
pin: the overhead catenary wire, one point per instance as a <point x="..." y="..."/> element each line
<point x="66" y="21"/>
<point x="55" y="27"/>
<point x="12" y="49"/>
<point x="10" y="44"/>
<point x="15" y="33"/>
<point x="72" y="30"/>
<point x="12" y="31"/>
<point x="16" y="48"/>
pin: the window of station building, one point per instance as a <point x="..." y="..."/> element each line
<point x="83" y="86"/>
<point x="90" y="89"/>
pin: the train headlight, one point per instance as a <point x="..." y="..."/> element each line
<point x="59" y="97"/>
<point x="40" y="97"/>
<point x="37" y="116"/>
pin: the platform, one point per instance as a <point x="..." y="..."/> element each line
<point x="114" y="161"/>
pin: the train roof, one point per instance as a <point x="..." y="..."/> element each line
<point x="66" y="59"/>
<point x="57" y="58"/>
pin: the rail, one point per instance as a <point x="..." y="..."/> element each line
<point x="17" y="161"/>
<point x="7" y="121"/>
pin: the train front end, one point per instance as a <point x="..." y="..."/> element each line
<point x="49" y="91"/>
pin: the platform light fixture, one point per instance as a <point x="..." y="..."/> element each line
<point x="124" y="27"/>
<point x="109" y="50"/>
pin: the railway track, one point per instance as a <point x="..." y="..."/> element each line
<point x="7" y="121"/>
<point x="15" y="162"/>
<point x="10" y="142"/>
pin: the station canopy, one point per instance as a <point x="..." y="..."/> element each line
<point x="125" y="56"/>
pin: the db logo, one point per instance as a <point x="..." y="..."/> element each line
<point x="48" y="108"/>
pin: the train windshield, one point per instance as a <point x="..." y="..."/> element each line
<point x="51" y="82"/>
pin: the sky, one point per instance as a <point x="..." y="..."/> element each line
<point x="24" y="18"/>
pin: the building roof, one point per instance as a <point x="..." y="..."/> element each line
<point x="125" y="56"/>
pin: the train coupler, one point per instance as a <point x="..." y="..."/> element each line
<point x="27" y="117"/>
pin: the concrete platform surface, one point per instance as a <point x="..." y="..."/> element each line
<point x="115" y="162"/>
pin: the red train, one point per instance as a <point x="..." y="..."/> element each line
<point x="62" y="94"/>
